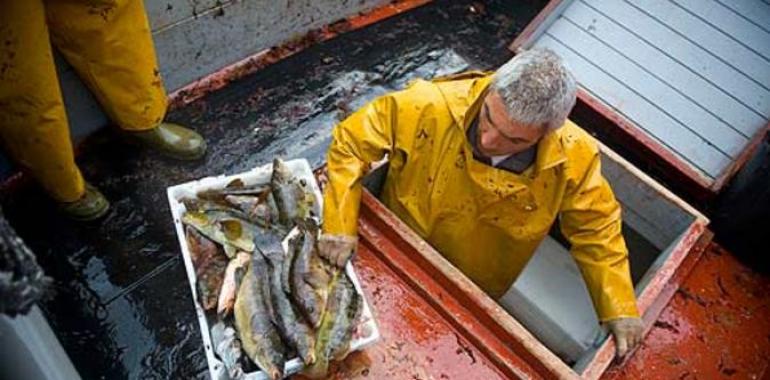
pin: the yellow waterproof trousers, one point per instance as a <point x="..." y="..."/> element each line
<point x="109" y="45"/>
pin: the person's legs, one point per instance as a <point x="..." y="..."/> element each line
<point x="33" y="123"/>
<point x="110" y="46"/>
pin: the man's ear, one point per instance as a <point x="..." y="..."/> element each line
<point x="545" y="130"/>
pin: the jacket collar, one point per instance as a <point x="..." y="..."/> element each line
<point x="550" y="151"/>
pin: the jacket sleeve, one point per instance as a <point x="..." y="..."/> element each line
<point x="361" y="139"/>
<point x="591" y="220"/>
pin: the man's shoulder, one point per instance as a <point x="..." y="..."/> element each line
<point x="449" y="86"/>
<point x="579" y="147"/>
<point x="463" y="76"/>
<point x="467" y="85"/>
<point x="576" y="141"/>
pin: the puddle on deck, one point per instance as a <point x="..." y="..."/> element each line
<point x="122" y="307"/>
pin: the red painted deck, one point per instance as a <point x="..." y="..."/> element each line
<point x="417" y="342"/>
<point x="717" y="326"/>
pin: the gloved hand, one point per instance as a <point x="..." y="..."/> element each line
<point x="627" y="333"/>
<point x="337" y="249"/>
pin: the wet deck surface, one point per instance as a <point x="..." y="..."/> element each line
<point x="122" y="307"/>
<point x="715" y="327"/>
<point x="416" y="341"/>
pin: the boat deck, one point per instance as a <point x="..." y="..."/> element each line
<point x="122" y="306"/>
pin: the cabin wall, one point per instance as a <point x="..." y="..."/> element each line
<point x="194" y="38"/>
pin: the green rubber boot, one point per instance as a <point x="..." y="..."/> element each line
<point x="91" y="206"/>
<point x="172" y="140"/>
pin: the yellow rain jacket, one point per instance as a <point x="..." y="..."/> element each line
<point x="486" y="221"/>
<point x="108" y="43"/>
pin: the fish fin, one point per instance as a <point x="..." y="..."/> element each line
<point x="318" y="277"/>
<point x="230" y="251"/>
<point x="268" y="298"/>
<point x="275" y="373"/>
<point x="239" y="274"/>
<point x="262" y="197"/>
<point x="235" y="184"/>
<point x="232" y="229"/>
<point x="318" y="370"/>
<point x="286" y="273"/>
<point x="309" y="358"/>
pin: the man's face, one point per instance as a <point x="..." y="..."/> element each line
<point x="498" y="134"/>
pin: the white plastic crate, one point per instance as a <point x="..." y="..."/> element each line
<point x="366" y="332"/>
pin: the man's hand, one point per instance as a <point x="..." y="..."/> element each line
<point x="627" y="333"/>
<point x="337" y="249"/>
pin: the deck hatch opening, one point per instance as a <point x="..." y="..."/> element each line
<point x="550" y="299"/>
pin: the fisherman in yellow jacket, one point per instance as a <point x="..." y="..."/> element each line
<point x="481" y="166"/>
<point x="108" y="43"/>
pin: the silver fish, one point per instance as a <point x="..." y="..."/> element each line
<point x="234" y="273"/>
<point x="293" y="328"/>
<point x="292" y="195"/>
<point x="218" y="195"/>
<point x="262" y="212"/>
<point x="260" y="338"/>
<point x="228" y="348"/>
<point x="346" y="305"/>
<point x="336" y="330"/>
<point x="310" y="276"/>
